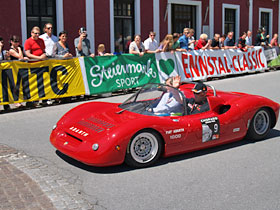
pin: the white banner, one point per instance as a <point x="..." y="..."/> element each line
<point x="203" y="64"/>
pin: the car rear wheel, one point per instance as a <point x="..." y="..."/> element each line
<point x="260" y="125"/>
<point x="144" y="149"/>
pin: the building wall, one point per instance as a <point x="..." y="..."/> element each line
<point x="244" y="15"/>
<point x="74" y="15"/>
<point x="163" y="22"/>
<point x="146" y="18"/>
<point x="10" y="20"/>
<point x="102" y="23"/>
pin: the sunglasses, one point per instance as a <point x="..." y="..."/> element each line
<point x="36" y="33"/>
<point x="198" y="92"/>
<point x="16" y="41"/>
<point x="49" y="28"/>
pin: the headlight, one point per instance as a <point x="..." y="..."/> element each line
<point x="54" y="127"/>
<point x="95" y="147"/>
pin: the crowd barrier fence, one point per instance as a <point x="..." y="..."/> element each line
<point x="53" y="78"/>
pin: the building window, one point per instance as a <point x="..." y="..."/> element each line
<point x="230" y="20"/>
<point x="123" y="24"/>
<point x="40" y="12"/>
<point x="183" y="16"/>
<point x="265" y="21"/>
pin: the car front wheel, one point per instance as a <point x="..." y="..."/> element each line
<point x="260" y="125"/>
<point x="144" y="149"/>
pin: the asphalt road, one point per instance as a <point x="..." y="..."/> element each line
<point x="241" y="175"/>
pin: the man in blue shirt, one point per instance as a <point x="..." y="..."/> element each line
<point x="184" y="41"/>
<point x="229" y="42"/>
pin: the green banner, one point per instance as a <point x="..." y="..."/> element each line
<point x="112" y="73"/>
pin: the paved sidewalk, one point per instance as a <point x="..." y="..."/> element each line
<point x="26" y="183"/>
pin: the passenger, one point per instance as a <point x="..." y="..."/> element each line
<point x="171" y="100"/>
<point x="197" y="104"/>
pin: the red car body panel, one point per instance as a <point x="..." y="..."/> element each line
<point x="112" y="128"/>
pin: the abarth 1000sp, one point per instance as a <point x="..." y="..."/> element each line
<point x="138" y="132"/>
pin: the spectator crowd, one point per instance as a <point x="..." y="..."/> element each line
<point x="43" y="46"/>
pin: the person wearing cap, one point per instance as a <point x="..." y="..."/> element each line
<point x="171" y="100"/>
<point x="199" y="103"/>
<point x="82" y="44"/>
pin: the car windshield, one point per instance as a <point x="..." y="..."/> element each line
<point x="156" y="100"/>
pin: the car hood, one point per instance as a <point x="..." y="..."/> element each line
<point x="96" y="119"/>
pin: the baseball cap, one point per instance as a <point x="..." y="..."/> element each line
<point x="83" y="29"/>
<point x="199" y="87"/>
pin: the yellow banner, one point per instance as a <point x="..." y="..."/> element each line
<point x="47" y="79"/>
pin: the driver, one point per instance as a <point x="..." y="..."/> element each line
<point x="199" y="103"/>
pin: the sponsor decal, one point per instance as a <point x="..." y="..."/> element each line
<point x="210" y="129"/>
<point x="78" y="131"/>
<point x="236" y="130"/>
<point x="176" y="133"/>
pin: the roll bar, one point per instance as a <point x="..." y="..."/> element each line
<point x="213" y="88"/>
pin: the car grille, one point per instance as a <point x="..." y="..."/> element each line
<point x="101" y="122"/>
<point x="95" y="124"/>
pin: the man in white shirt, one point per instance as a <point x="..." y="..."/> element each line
<point x="191" y="39"/>
<point x="49" y="39"/>
<point x="151" y="44"/>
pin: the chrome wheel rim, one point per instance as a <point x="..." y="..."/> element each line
<point x="144" y="147"/>
<point x="261" y="122"/>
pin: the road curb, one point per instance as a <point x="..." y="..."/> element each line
<point x="52" y="188"/>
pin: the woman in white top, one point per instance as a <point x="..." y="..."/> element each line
<point x="136" y="47"/>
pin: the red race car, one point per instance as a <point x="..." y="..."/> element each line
<point x="138" y="132"/>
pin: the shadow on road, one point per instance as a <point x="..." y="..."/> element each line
<point x="163" y="161"/>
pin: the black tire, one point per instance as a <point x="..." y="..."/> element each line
<point x="260" y="125"/>
<point x="144" y="149"/>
